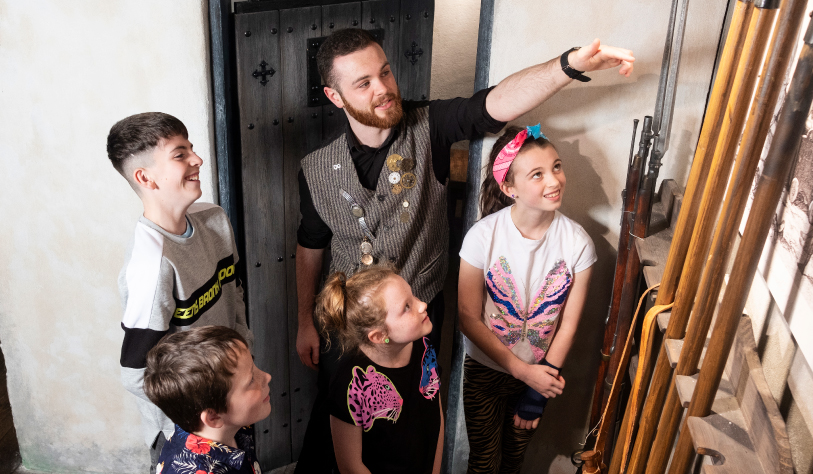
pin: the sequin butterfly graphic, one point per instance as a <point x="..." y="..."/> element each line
<point x="538" y="321"/>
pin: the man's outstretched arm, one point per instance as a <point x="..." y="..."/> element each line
<point x="308" y="272"/>
<point x="530" y="87"/>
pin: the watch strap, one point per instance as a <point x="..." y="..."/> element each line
<point x="569" y="70"/>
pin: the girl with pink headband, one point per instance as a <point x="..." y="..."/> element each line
<point x="524" y="273"/>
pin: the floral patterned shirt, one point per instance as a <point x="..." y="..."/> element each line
<point x="187" y="453"/>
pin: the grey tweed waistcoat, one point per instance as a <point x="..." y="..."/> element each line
<point x="419" y="247"/>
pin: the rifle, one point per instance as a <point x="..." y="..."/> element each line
<point x="592" y="460"/>
<point x="628" y="207"/>
<point x="637" y="222"/>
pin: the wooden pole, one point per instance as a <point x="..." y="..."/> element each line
<point x="782" y="45"/>
<point x="781" y="156"/>
<point x="644" y="354"/>
<point x="691" y="202"/>
<point x="734" y="120"/>
<point x="702" y="157"/>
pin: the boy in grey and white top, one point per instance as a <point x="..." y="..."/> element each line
<point x="180" y="267"/>
<point x="169" y="283"/>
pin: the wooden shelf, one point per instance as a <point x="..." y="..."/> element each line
<point x="663" y="320"/>
<point x="734" y="451"/>
<point x="685" y="388"/>
<point x="673" y="348"/>
<point x="653" y="252"/>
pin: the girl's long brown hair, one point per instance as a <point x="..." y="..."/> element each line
<point x="349" y="308"/>
<point x="492" y="199"/>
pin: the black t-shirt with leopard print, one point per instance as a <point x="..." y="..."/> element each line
<point x="397" y="409"/>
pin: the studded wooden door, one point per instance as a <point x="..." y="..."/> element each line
<point x="281" y="119"/>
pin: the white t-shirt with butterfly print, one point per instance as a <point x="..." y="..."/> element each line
<point x="527" y="281"/>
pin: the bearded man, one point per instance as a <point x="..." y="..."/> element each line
<point x="377" y="194"/>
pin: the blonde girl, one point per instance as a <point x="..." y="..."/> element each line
<point x="384" y="399"/>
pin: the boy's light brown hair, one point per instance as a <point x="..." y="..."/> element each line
<point x="190" y="371"/>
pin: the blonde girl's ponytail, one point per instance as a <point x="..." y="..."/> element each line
<point x="330" y="306"/>
<point x="348" y="308"/>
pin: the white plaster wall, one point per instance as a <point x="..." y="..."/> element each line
<point x="68" y="71"/>
<point x="591" y="125"/>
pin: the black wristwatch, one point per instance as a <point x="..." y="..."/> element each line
<point x="568" y="69"/>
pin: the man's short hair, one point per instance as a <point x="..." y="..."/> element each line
<point x="139" y="133"/>
<point x="340" y="43"/>
<point x="190" y="371"/>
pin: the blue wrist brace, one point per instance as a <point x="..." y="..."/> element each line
<point x="532" y="404"/>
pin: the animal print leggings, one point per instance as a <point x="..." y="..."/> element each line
<point x="489" y="401"/>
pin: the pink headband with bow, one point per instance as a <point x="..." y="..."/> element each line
<point x="509" y="152"/>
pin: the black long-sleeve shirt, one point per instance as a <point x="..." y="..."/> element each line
<point x="450" y="121"/>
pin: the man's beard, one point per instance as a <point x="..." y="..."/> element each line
<point x="369" y="117"/>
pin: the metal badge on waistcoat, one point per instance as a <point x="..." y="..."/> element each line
<point x="394" y="162"/>
<point x="366" y="245"/>
<point x="400" y="178"/>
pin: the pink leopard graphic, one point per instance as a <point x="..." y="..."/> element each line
<point x="372" y="395"/>
<point x="538" y="322"/>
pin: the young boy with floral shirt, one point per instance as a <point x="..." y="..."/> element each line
<point x="205" y="381"/>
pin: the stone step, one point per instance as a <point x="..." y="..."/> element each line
<point x="653" y="252"/>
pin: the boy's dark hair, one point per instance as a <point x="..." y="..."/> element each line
<point x="340" y="43"/>
<point x="190" y="371"/>
<point x="139" y="133"/>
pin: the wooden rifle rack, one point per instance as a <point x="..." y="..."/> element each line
<point x="745" y="432"/>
